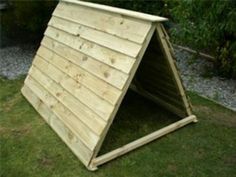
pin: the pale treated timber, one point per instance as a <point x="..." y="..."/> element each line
<point x="83" y="113"/>
<point x="132" y="73"/>
<point x="81" y="77"/>
<point x="98" y="37"/>
<point x="130" y="13"/>
<point x="127" y="28"/>
<point x="72" y="141"/>
<point x="85" y="96"/>
<point x="171" y="62"/>
<point x="88" y="138"/>
<point x="142" y="141"/>
<point x="89" y="48"/>
<point x="98" y="69"/>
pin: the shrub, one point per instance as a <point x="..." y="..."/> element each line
<point x="26" y="19"/>
<point x="209" y="26"/>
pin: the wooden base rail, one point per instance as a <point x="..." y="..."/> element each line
<point x="140" y="142"/>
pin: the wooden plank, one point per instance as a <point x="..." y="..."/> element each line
<point x="134" y="14"/>
<point x="166" y="51"/>
<point x="115" y="24"/>
<point x="98" y="37"/>
<point x="79" y="149"/>
<point x="176" y="101"/>
<point x="134" y="69"/>
<point x="118" y="61"/>
<point x="156" y="71"/>
<point x="89" y="48"/>
<point x="67" y="117"/>
<point x="159" y="101"/>
<point x="157" y="79"/>
<point x="81" y="76"/>
<point x="209" y="57"/>
<point x="87" y="116"/>
<point x="88" y="102"/>
<point x="154" y="87"/>
<point x="102" y="71"/>
<point x="142" y="141"/>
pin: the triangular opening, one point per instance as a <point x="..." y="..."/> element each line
<point x="137" y="115"/>
<point x="155" y="76"/>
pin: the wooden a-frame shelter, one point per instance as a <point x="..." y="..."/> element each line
<point x="84" y="66"/>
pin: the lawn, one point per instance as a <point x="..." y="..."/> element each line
<point x="29" y="148"/>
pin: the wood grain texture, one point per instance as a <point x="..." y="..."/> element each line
<point x="67" y="117"/>
<point x="111" y="23"/>
<point x="64" y="132"/>
<point x="102" y="71"/>
<point x="84" y="67"/>
<point x="135" y="67"/>
<point x="89" y="118"/>
<point x="90" y="49"/>
<point x="86" y="97"/>
<point x="172" y="65"/>
<point x="98" y="37"/>
<point x="138" y="15"/>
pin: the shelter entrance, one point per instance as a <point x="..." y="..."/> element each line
<point x="87" y="60"/>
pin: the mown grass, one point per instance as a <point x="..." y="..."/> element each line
<point x="29" y="148"/>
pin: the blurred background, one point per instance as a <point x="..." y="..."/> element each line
<point x="207" y="26"/>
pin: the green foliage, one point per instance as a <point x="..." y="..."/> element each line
<point x="204" y="25"/>
<point x="26" y="19"/>
<point x="156" y="7"/>
<point x="209" y="26"/>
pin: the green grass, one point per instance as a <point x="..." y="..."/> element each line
<point x="29" y="148"/>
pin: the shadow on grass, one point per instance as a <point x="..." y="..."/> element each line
<point x="137" y="116"/>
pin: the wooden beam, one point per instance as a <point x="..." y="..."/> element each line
<point x="142" y="141"/>
<point x="171" y="62"/>
<point x="209" y="57"/>
<point x="129" y="13"/>
<point x="128" y="82"/>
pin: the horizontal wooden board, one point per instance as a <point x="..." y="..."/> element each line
<point x="81" y="76"/>
<point x="79" y="149"/>
<point x="102" y="71"/>
<point x="118" y="61"/>
<point x="67" y="117"/>
<point x="125" y="12"/>
<point x="98" y="37"/>
<point x="115" y="24"/>
<point x="90" y="119"/>
<point x="91" y="49"/>
<point x="84" y="95"/>
<point x="165" y="90"/>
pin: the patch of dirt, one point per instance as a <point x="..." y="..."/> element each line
<point x="7" y="106"/>
<point x="21" y="131"/>
<point x="230" y="160"/>
<point x="172" y="168"/>
<point x="3" y="130"/>
<point x="46" y="162"/>
<point x="223" y="118"/>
